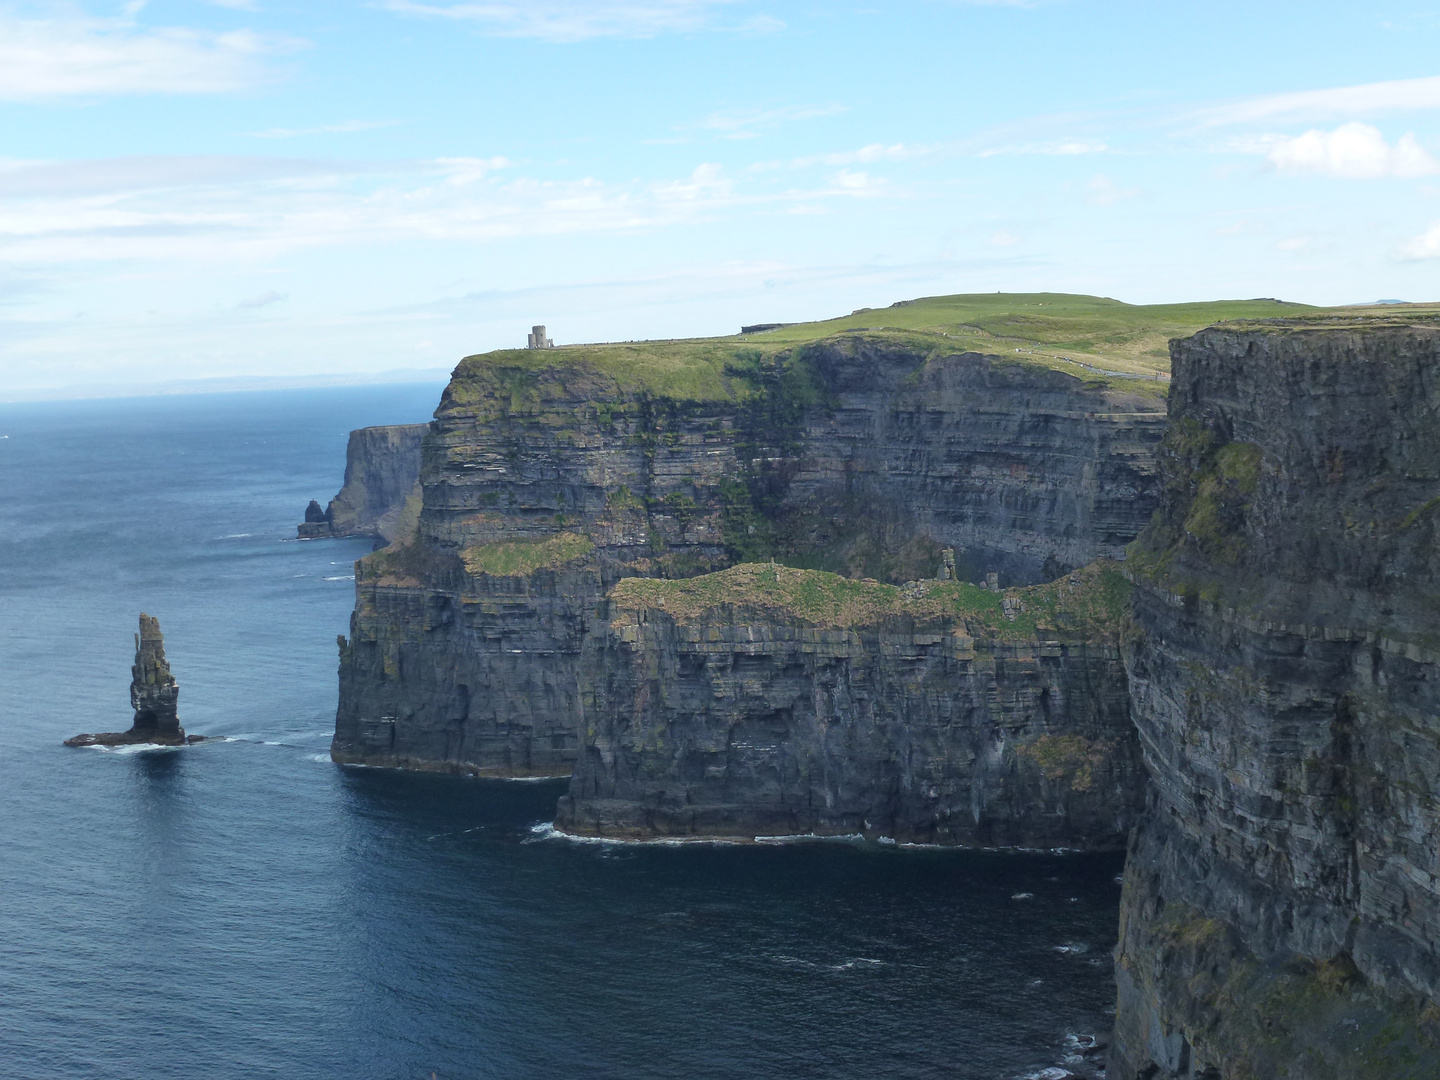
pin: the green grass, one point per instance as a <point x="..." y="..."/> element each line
<point x="1060" y="331"/>
<point x="516" y="557"/>
<point x="1091" y="602"/>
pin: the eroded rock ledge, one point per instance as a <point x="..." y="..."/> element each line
<point x="765" y="700"/>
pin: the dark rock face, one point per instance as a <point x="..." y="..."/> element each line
<point x="381" y="495"/>
<point x="1281" y="909"/>
<point x="153" y="695"/>
<point x="544" y="487"/>
<point x="933" y="730"/>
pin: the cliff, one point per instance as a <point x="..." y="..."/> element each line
<point x="381" y="494"/>
<point x="764" y="700"/>
<point x="547" y="478"/>
<point x="1281" y="906"/>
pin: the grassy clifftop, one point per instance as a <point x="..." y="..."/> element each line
<point x="1090" y="602"/>
<point x="1064" y="332"/>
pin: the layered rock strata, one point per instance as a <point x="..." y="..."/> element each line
<point x="154" y="695"/>
<point x="1281" y="907"/>
<point x="381" y="493"/>
<point x="765" y="700"/>
<point x="549" y="477"/>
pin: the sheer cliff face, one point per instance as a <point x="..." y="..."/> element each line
<point x="545" y="486"/>
<point x="752" y="703"/>
<point x="1281" y="907"/>
<point x="381" y="494"/>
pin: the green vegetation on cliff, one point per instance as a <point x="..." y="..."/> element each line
<point x="1060" y="331"/>
<point x="516" y="557"/>
<point x="1090" y="602"/>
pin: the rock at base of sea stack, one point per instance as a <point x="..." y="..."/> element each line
<point x="153" y="695"/>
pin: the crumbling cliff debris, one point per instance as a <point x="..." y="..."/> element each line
<point x="153" y="695"/>
<point x="381" y="493"/>
<point x="1281" y="906"/>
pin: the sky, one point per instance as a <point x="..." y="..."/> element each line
<point x="264" y="188"/>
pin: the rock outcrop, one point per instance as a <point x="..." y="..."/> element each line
<point x="381" y="493"/>
<point x="765" y="700"/>
<point x="1281" y="905"/>
<point x="549" y="477"/>
<point x="153" y="695"/>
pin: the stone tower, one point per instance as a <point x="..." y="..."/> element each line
<point x="536" y="339"/>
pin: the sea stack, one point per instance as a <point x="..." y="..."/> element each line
<point x="153" y="695"/>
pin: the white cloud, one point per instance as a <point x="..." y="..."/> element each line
<point x="43" y="58"/>
<point x="1424" y="246"/>
<point x="1057" y="148"/>
<point x="1102" y="191"/>
<point x="1363" y="100"/>
<point x="579" y="20"/>
<point x="1353" y="150"/>
<point x="1003" y="238"/>
<point x="344" y="127"/>
<point x="1293" y="243"/>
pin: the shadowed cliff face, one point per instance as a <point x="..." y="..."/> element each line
<point x="473" y="645"/>
<point x="1281" y="907"/>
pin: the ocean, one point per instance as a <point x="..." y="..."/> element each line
<point x="244" y="908"/>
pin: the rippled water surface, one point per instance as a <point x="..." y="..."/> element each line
<point x="244" y="908"/>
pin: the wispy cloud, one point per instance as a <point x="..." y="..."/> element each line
<point x="580" y="20"/>
<point x="46" y="58"/>
<point x="748" y="124"/>
<point x="1367" y="99"/>
<point x="1054" y="148"/>
<point x="345" y="127"/>
<point x="1353" y="150"/>
<point x="875" y="152"/>
<point x="249" y="209"/>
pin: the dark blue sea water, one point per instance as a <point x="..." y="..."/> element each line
<point x="244" y="908"/>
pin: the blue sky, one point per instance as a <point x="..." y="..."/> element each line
<point x="256" y="188"/>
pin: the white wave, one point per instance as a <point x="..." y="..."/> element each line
<point x="1073" y="949"/>
<point x="1052" y="1073"/>
<point x="237" y="536"/>
<point x="318" y="757"/>
<point x="526" y="779"/>
<point x="804" y="838"/>
<point x="134" y="748"/>
<point x="342" y="577"/>
<point x="1022" y="896"/>
<point x="546" y="830"/>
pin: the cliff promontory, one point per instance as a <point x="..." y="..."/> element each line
<point x="1281" y="909"/>
<point x="549" y="477"/>
<point x="381" y="493"/>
